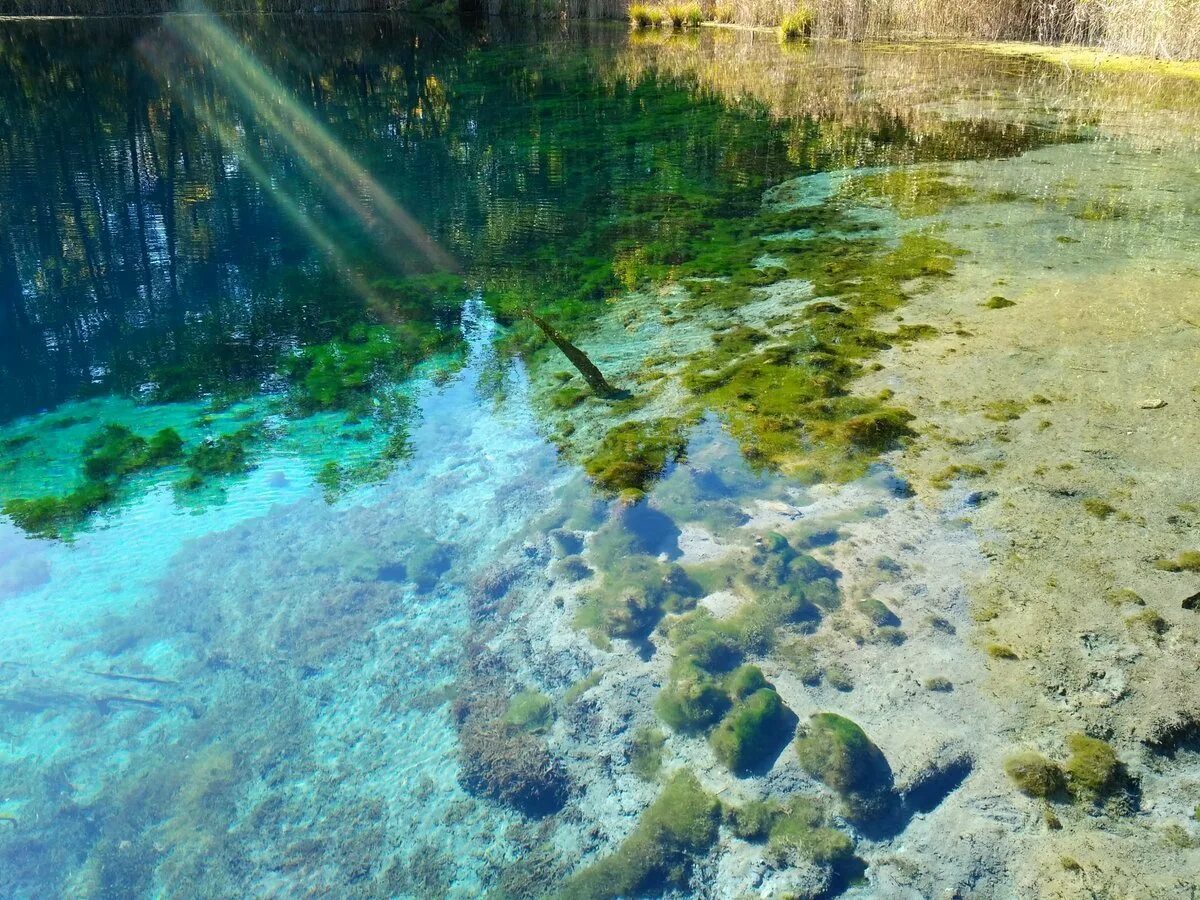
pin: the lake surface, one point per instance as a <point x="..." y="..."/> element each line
<point x="328" y="568"/>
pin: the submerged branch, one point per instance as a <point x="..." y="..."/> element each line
<point x="591" y="374"/>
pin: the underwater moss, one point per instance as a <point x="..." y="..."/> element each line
<point x="115" y="451"/>
<point x="1150" y="622"/>
<point x="581" y="687"/>
<point x="744" y="681"/>
<point x="658" y="856"/>
<point x="1101" y="509"/>
<point x="837" y="752"/>
<point x="943" y="478"/>
<point x="645" y="753"/>
<point x="911" y="192"/>
<point x="878" y="612"/>
<point x="224" y="455"/>
<point x="692" y="701"/>
<point x="1034" y="775"/>
<point x="1001" y="651"/>
<point x="530" y="711"/>
<point x="1004" y="410"/>
<point x="109" y="456"/>
<point x="52" y="516"/>
<point x="998" y="302"/>
<point x="938" y="684"/>
<point x="801" y="832"/>
<point x="752" y="821"/>
<point x="753" y="732"/>
<point x="1187" y="561"/>
<point x="634" y="454"/>
<point x="1092" y="769"/>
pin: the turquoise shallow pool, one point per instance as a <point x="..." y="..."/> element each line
<point x="329" y="565"/>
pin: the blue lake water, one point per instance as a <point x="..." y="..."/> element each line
<point x="326" y="569"/>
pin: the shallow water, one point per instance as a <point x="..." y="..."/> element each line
<point x="323" y="571"/>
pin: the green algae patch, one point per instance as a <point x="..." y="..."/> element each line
<point x="1101" y="509"/>
<point x="753" y="732"/>
<point x="1034" y="775"/>
<point x="692" y="701"/>
<point x="55" y="516"/>
<point x="680" y="826"/>
<point x="801" y="832"/>
<point x="783" y="587"/>
<point x="115" y="451"/>
<point x="838" y="753"/>
<point x="646" y="753"/>
<point x="1092" y="769"/>
<point x="998" y="302"/>
<point x="530" y="711"/>
<point x="635" y="454"/>
<point x="1187" y="561"/>
<point x="779" y="379"/>
<point x="109" y="457"/>
<point x="796" y="831"/>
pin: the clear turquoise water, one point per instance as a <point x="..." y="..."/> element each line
<point x="321" y="239"/>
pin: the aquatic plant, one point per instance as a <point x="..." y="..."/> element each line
<point x="52" y="516"/>
<point x="1034" y="775"/>
<point x="752" y="821"/>
<point x="1101" y="509"/>
<point x="692" y="701"/>
<point x="998" y="302"/>
<point x="723" y="13"/>
<point x="1001" y="651"/>
<point x="1092" y="769"/>
<point x="530" y="711"/>
<point x="581" y="687"/>
<point x="837" y="752"/>
<point x="115" y="451"/>
<point x="801" y="832"/>
<point x="109" y="457"/>
<point x="753" y="732"/>
<point x="220" y="456"/>
<point x="679" y="826"/>
<point x="1187" y="561"/>
<point x="797" y="24"/>
<point x="645" y="753"/>
<point x="877" y="611"/>
<point x="634" y="454"/>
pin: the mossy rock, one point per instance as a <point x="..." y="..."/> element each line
<point x="878" y="612"/>
<point x="1034" y="775"/>
<point x="752" y="821"/>
<point x="745" y="681"/>
<point x="635" y="454"/>
<point x="692" y="701"/>
<point x="753" y="733"/>
<point x="837" y="752"/>
<point x="801" y="832"/>
<point x="1093" y="770"/>
<point x="680" y="826"/>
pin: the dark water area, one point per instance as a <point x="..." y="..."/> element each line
<point x="329" y="566"/>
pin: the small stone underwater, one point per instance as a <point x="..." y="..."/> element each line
<point x="558" y="461"/>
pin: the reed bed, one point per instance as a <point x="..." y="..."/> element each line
<point x="1165" y="29"/>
